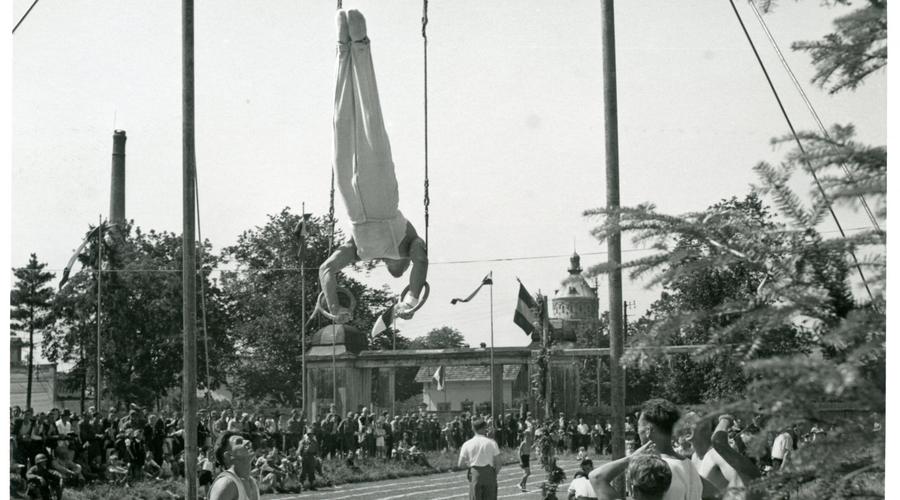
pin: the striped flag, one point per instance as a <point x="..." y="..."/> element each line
<point x="527" y="311"/>
<point x="440" y="378"/>
<point x="488" y="280"/>
<point x="383" y="322"/>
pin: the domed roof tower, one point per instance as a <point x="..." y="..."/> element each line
<point x="576" y="299"/>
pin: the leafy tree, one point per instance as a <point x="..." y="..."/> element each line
<point x="30" y="301"/>
<point x="140" y="317"/>
<point x="265" y="299"/>
<point x="445" y="337"/>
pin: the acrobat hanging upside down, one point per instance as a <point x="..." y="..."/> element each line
<point x="365" y="177"/>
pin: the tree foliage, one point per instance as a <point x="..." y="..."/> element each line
<point x="265" y="299"/>
<point x="445" y="337"/>
<point x="140" y="315"/>
<point x="855" y="50"/>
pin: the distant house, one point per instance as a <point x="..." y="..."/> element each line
<point x="43" y="382"/>
<point x="467" y="387"/>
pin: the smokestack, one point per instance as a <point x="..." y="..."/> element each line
<point x="117" y="190"/>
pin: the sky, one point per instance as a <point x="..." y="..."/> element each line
<point x="515" y="125"/>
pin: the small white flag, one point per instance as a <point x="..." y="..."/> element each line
<point x="439" y="377"/>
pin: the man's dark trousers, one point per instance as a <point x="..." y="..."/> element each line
<point x="482" y="483"/>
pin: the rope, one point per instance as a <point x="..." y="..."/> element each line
<point x="812" y="111"/>
<point x="202" y="290"/>
<point x="427" y="200"/>
<point x="802" y="151"/>
<point x="23" y="17"/>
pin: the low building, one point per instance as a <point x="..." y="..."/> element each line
<point x="43" y="381"/>
<point x="468" y="387"/>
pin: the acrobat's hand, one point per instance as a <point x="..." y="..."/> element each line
<point x="403" y="310"/>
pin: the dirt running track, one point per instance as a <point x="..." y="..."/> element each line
<point x="446" y="486"/>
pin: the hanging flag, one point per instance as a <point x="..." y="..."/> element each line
<point x="440" y="378"/>
<point x="488" y="280"/>
<point x="527" y="311"/>
<point x="301" y="232"/>
<point x="68" y="268"/>
<point x="383" y="322"/>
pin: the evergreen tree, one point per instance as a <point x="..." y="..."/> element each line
<point x="30" y="303"/>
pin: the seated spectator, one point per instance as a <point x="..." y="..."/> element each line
<point x="116" y="469"/>
<point x="43" y="483"/>
<point x="580" y="488"/>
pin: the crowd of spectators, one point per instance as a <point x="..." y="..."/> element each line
<point x="50" y="451"/>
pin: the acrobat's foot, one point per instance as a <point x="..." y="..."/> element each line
<point x="357" y="25"/>
<point x="343" y="29"/>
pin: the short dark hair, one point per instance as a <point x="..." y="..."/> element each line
<point x="662" y="413"/>
<point x="587" y="462"/>
<point x="478" y="424"/>
<point x="222" y="444"/>
<point x="649" y="475"/>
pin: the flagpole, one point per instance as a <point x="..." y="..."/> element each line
<point x="392" y="379"/>
<point x="302" y="313"/>
<point x="493" y="393"/>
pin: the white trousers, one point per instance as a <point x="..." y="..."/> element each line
<point x="363" y="166"/>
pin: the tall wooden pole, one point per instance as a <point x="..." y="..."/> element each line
<point x="189" y="257"/>
<point x="614" y="242"/>
<point x="99" y="274"/>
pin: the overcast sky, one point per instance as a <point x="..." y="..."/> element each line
<point x="515" y="124"/>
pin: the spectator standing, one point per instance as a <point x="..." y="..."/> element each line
<point x="309" y="454"/>
<point x="781" y="449"/>
<point x="482" y="455"/>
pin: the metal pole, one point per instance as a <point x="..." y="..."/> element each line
<point x="545" y="328"/>
<point x="189" y="258"/>
<point x="302" y="314"/>
<point x="392" y="378"/>
<point x="493" y="382"/>
<point x="614" y="242"/>
<point x="99" y="269"/>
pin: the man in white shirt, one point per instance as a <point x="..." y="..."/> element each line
<point x="64" y="425"/>
<point x="584" y="433"/>
<point x="781" y="449"/>
<point x="482" y="455"/>
<point x="722" y="468"/>
<point x="656" y="423"/>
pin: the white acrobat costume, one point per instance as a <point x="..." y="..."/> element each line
<point x="363" y="165"/>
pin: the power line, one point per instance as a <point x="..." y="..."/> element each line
<point x="23" y="17"/>
<point x="432" y="263"/>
